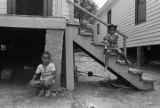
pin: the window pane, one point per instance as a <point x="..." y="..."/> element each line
<point x="29" y="7"/>
<point x="98" y="28"/>
<point x="140" y="11"/>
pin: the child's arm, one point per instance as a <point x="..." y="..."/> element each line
<point x="124" y="36"/>
<point x="35" y="76"/>
<point x="37" y="72"/>
<point x="53" y="75"/>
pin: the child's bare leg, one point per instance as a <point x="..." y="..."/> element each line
<point x="107" y="59"/>
<point x="122" y="55"/>
<point x="47" y="88"/>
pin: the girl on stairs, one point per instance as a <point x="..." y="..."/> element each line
<point x="111" y="45"/>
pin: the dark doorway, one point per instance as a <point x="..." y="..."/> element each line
<point x="20" y="50"/>
<point x="29" y="7"/>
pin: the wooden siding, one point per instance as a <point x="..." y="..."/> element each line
<point x="66" y="10"/>
<point x="144" y="34"/>
<point x="3" y="6"/>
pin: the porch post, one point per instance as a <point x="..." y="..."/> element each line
<point x="69" y="58"/>
<point x="54" y="44"/>
<point x="140" y="56"/>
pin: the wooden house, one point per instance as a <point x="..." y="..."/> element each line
<point x="28" y="27"/>
<point x="139" y="20"/>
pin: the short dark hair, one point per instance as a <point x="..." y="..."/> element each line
<point x="46" y="53"/>
<point x="112" y="25"/>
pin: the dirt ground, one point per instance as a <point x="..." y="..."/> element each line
<point x="18" y="94"/>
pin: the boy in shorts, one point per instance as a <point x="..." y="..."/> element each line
<point x="47" y="71"/>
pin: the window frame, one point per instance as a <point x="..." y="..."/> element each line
<point x="98" y="28"/>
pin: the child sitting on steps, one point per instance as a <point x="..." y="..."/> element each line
<point x="111" y="45"/>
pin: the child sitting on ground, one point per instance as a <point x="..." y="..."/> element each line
<point x="47" y="71"/>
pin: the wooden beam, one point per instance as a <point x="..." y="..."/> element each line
<point x="24" y="21"/>
<point x="69" y="58"/>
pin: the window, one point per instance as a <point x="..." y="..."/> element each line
<point x="109" y="18"/>
<point x="30" y="7"/>
<point x="140" y="11"/>
<point x="98" y="28"/>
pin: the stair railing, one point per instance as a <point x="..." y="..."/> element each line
<point x="95" y="17"/>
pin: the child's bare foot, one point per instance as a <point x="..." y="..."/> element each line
<point x="48" y="94"/>
<point x="41" y="93"/>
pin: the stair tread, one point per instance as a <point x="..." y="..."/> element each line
<point x="86" y="34"/>
<point x="135" y="71"/>
<point x="112" y="53"/>
<point x="121" y="62"/>
<point x="97" y="43"/>
<point x="147" y="79"/>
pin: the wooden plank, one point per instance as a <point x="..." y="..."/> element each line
<point x="32" y="22"/>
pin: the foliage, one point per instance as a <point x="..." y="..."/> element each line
<point x="86" y="21"/>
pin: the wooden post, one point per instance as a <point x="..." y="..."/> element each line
<point x="54" y="44"/>
<point x="140" y="56"/>
<point x="69" y="58"/>
<point x="124" y="47"/>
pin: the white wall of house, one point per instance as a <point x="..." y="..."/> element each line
<point x="147" y="33"/>
<point x="65" y="8"/>
<point x="3" y="6"/>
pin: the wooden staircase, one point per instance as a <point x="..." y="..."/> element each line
<point x="130" y="75"/>
<point x="95" y="50"/>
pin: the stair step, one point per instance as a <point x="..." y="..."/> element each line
<point x="97" y="43"/>
<point x="148" y="80"/>
<point x="135" y="71"/>
<point x="122" y="62"/>
<point x="86" y="34"/>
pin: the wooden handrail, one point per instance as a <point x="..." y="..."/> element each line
<point x="95" y="17"/>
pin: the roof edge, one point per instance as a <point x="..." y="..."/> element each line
<point x="105" y="6"/>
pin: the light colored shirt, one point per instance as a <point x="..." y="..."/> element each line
<point x="111" y="41"/>
<point x="46" y="72"/>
